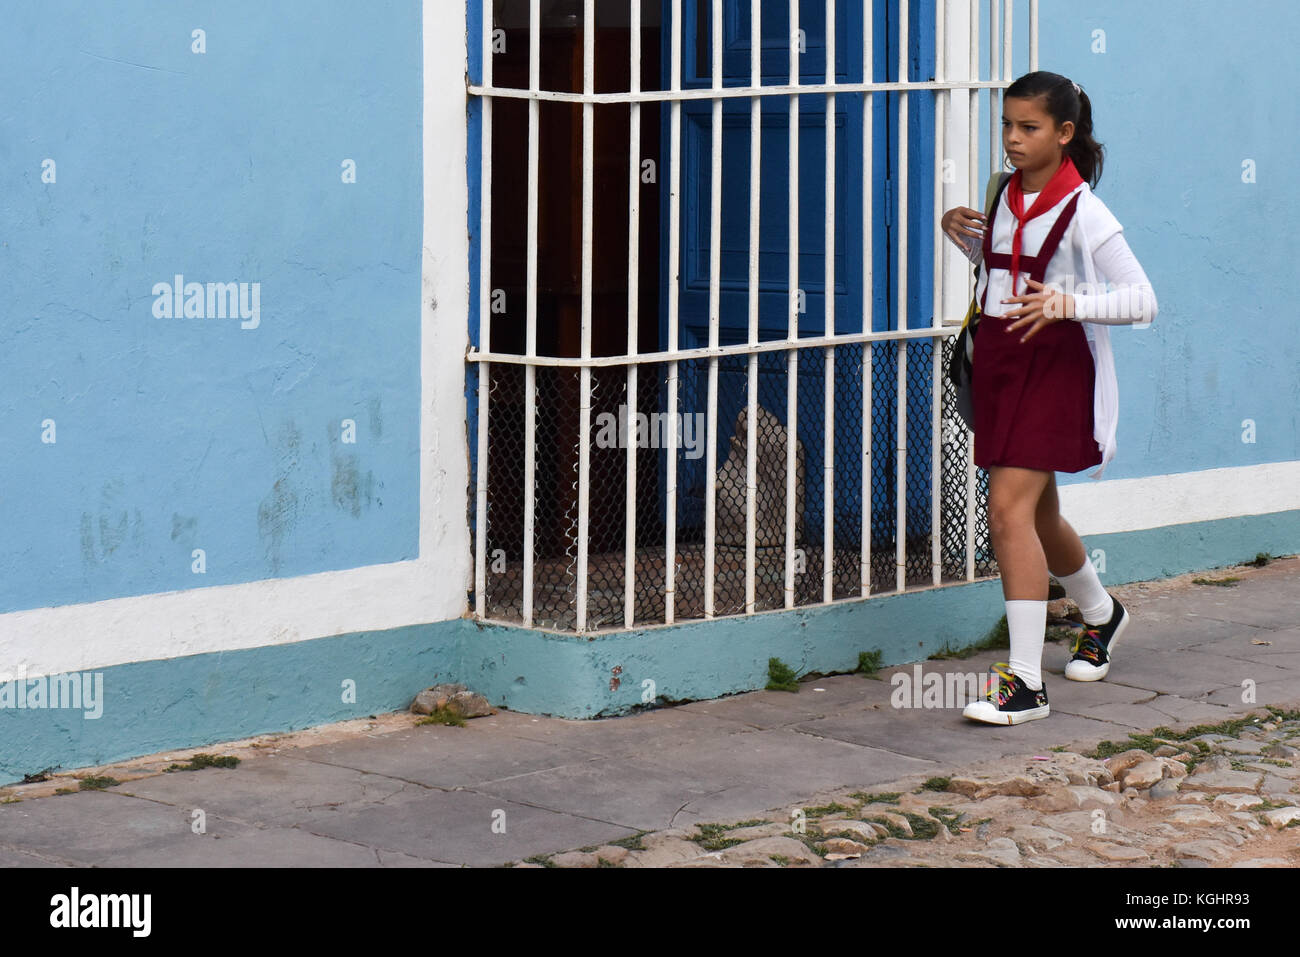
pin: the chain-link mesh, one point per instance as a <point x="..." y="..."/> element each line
<point x="615" y="423"/>
<point x="957" y="443"/>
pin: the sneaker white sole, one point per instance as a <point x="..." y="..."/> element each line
<point x="986" y="712"/>
<point x="1082" y="671"/>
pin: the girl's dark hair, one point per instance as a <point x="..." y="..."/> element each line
<point x="1064" y="105"/>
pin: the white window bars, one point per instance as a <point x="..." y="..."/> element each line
<point x="506" y="580"/>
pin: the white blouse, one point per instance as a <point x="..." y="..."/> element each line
<point x="1125" y="295"/>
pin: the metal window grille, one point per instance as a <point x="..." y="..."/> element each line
<point x="740" y="527"/>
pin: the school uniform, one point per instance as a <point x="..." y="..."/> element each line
<point x="1052" y="403"/>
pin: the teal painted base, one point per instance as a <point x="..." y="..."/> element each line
<point x="204" y="699"/>
<point x="1175" y="549"/>
<point x="152" y="706"/>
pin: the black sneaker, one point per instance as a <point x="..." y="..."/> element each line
<point x="1094" y="647"/>
<point x="1009" y="701"/>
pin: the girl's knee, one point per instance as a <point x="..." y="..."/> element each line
<point x="1010" y="519"/>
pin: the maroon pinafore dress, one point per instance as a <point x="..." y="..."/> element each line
<point x="1032" y="401"/>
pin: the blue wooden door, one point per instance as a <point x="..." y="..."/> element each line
<point x="849" y="288"/>
<point x="921" y="223"/>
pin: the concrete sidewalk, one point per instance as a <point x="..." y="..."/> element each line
<point x="388" y="793"/>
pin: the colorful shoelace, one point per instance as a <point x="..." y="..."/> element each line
<point x="1088" y="646"/>
<point x="1006" y="684"/>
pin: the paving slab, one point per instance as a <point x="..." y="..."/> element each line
<point x="1182" y="632"/>
<point x="1260" y="642"/>
<point x="1279" y="693"/>
<point x="445" y="757"/>
<point x="99" y="827"/>
<point x="1248" y="605"/>
<point x="246" y="846"/>
<point x="288" y="790"/>
<point x="769" y="710"/>
<point x="1288" y="660"/>
<point x="634" y="794"/>
<point x="10" y="857"/>
<point x="1190" y="673"/>
<point x="943" y="735"/>
<point x="458" y="827"/>
<point x="1163" y="710"/>
<point x="1092" y="697"/>
<point x="626" y="736"/>
<point x="789" y="762"/>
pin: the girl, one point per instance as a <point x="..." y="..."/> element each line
<point x="1056" y="271"/>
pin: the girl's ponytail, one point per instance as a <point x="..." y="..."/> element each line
<point x="1085" y="151"/>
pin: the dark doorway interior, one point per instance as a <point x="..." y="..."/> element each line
<point x="559" y="276"/>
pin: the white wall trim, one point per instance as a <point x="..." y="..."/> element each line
<point x="1127" y="505"/>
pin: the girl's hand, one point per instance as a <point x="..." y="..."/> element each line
<point x="961" y="222"/>
<point x="1041" y="308"/>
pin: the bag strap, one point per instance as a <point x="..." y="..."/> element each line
<point x="991" y="212"/>
<point x="992" y="191"/>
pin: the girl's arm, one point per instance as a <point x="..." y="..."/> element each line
<point x="1129" y="297"/>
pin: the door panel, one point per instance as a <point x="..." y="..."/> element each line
<point x="848" y="292"/>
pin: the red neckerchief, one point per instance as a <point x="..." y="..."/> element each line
<point x="1063" y="181"/>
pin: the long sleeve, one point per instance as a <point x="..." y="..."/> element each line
<point x="1129" y="298"/>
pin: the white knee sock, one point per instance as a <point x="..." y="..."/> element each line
<point x="1085" y="588"/>
<point x="1027" y="622"/>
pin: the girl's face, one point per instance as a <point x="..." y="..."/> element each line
<point x="1032" y="140"/>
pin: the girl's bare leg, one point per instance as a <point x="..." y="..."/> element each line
<point x="1062" y="547"/>
<point x="1014" y="499"/>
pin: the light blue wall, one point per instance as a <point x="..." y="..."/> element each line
<point x="225" y="166"/>
<point x="1183" y="95"/>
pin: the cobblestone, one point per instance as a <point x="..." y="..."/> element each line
<point x="1057" y="810"/>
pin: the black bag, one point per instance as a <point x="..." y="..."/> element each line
<point x="961" y="364"/>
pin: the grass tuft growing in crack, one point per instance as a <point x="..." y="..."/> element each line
<point x="632" y="842"/>
<point x="869" y="663"/>
<point x="712" y="837"/>
<point x="948" y="818"/>
<point x="97" y="783"/>
<point x="884" y="797"/>
<point x="812" y="813"/>
<point x="1149" y="742"/>
<point x="445" y="715"/>
<point x="201" y="761"/>
<point x="780" y="676"/>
